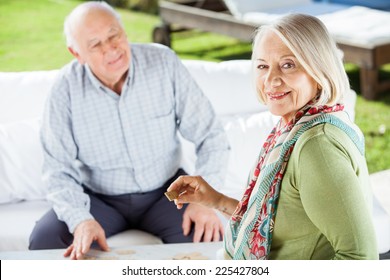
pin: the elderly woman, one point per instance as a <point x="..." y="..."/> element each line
<point x="308" y="195"/>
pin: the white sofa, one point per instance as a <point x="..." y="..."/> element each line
<point x="227" y="84"/>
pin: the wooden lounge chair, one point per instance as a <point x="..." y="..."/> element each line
<point x="214" y="16"/>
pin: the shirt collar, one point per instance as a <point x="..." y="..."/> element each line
<point x="99" y="85"/>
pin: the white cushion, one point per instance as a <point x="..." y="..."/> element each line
<point x="357" y="26"/>
<point x="132" y="237"/>
<point x="246" y="135"/>
<point x="240" y="7"/>
<point x="21" y="161"/>
<point x="19" y="220"/>
<point x="380" y="183"/>
<point x="381" y="221"/>
<point x="228" y="85"/>
<point x="23" y="94"/>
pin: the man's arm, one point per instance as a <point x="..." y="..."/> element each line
<point x="62" y="175"/>
<point x="60" y="172"/>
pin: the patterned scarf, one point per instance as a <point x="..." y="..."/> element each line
<point x="250" y="229"/>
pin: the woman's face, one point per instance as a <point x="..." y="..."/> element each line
<point x="282" y="81"/>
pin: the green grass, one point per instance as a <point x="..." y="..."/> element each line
<point x="31" y="39"/>
<point x="31" y="35"/>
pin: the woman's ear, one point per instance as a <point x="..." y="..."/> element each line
<point x="76" y="55"/>
<point x="319" y="88"/>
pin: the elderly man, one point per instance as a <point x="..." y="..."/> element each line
<point x="110" y="142"/>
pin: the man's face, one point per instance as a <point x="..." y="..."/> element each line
<point x="102" y="44"/>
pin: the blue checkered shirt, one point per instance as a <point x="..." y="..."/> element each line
<point x="117" y="144"/>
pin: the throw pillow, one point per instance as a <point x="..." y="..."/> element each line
<point x="246" y="135"/>
<point x="21" y="161"/>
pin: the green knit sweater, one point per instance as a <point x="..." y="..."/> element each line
<point x="324" y="209"/>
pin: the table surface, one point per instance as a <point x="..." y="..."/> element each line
<point x="199" y="251"/>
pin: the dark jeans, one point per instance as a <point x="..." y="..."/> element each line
<point x="151" y="212"/>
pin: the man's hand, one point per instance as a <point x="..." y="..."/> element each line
<point x="207" y="223"/>
<point x="84" y="234"/>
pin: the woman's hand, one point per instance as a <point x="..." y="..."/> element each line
<point x="194" y="189"/>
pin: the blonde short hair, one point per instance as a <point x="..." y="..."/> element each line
<point x="72" y="20"/>
<point x="308" y="39"/>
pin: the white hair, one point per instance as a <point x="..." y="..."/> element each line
<point x="73" y="19"/>
<point x="307" y="37"/>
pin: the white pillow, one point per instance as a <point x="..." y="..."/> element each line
<point x="228" y="85"/>
<point x="21" y="161"/>
<point x="246" y="135"/>
<point x="240" y="7"/>
<point x="23" y="94"/>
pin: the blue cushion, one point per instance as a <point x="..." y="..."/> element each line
<point x="375" y="4"/>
